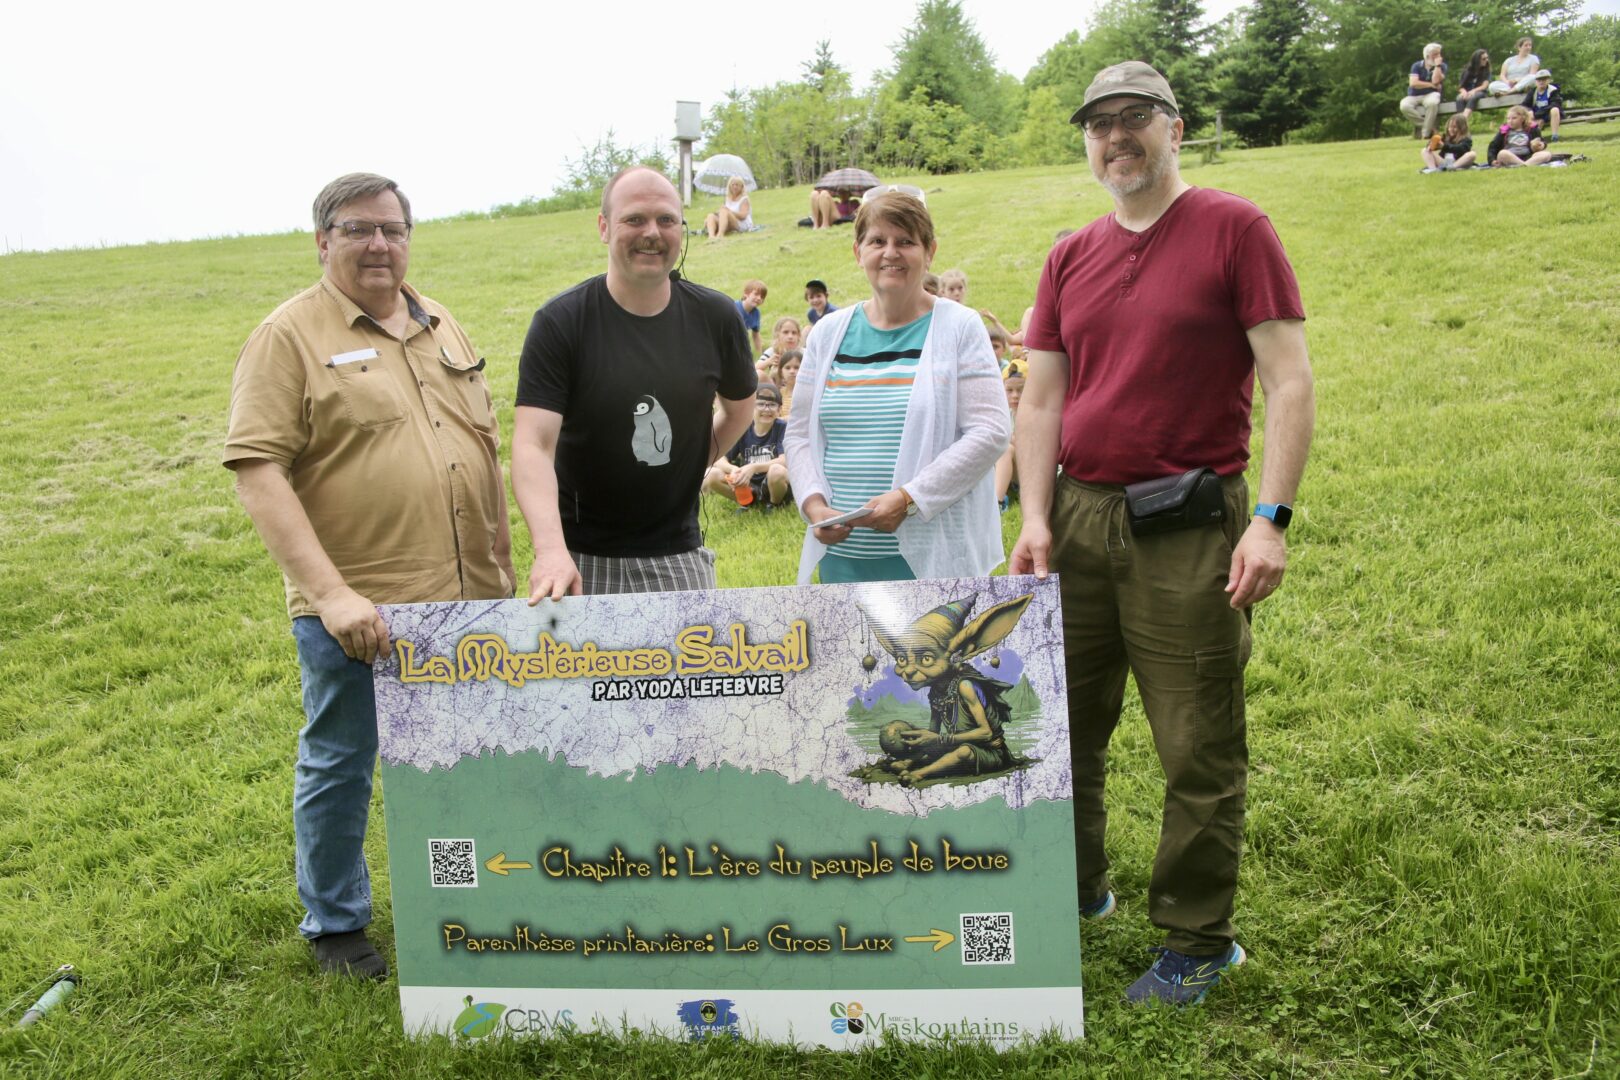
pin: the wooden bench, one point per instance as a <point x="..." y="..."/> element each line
<point x="1595" y="115"/>
<point x="1591" y="115"/>
<point x="1501" y="101"/>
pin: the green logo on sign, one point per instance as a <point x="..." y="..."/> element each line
<point x="478" y="1020"/>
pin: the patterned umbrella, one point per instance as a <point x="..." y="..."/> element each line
<point x="712" y="174"/>
<point x="848" y="180"/>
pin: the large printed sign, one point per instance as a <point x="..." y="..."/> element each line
<point x="817" y="814"/>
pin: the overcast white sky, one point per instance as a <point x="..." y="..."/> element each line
<point x="121" y="123"/>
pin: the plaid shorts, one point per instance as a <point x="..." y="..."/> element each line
<point x="685" y="572"/>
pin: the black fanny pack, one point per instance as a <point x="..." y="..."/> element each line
<point x="1189" y="500"/>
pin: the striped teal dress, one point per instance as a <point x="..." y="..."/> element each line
<point x="862" y="415"/>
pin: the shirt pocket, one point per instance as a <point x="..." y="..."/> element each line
<point x="470" y="391"/>
<point x="370" y="396"/>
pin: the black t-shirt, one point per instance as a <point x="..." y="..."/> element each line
<point x="636" y="395"/>
<point x="754" y="447"/>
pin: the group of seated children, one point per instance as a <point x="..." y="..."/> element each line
<point x="1517" y="142"/>
<point x="754" y="471"/>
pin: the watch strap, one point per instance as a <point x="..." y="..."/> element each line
<point x="1279" y="514"/>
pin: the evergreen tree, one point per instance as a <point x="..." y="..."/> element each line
<point x="1164" y="33"/>
<point x="942" y="53"/>
<point x="1266" y="81"/>
<point x="822" y="68"/>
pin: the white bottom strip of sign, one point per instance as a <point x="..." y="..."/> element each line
<point x="840" y="1019"/>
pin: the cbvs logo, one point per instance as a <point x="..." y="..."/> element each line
<point x="481" y="1018"/>
<point x="848" y="1019"/>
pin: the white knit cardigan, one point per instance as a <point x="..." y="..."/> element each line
<point x="956" y="426"/>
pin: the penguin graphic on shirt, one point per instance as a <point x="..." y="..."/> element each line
<point x="651" y="440"/>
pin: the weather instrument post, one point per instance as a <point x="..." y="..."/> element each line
<point x="820" y="814"/>
<point x="688" y="130"/>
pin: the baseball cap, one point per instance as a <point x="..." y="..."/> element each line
<point x="1132" y="78"/>
<point x="815" y="284"/>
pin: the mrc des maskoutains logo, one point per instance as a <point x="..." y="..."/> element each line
<point x="848" y="1018"/>
<point x="853" y="1018"/>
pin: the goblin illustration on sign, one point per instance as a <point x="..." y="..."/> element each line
<point x="967" y="710"/>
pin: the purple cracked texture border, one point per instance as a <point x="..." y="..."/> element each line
<point x="801" y="735"/>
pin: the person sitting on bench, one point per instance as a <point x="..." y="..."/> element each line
<point x="1518" y="70"/>
<point x="1545" y="103"/>
<point x="1423" y="87"/>
<point x="1475" y="82"/>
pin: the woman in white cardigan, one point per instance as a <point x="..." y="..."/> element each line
<point x="899" y="410"/>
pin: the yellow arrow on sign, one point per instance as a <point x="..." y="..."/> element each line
<point x="940" y="938"/>
<point x="499" y="865"/>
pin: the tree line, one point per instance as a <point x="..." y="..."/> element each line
<point x="1276" y="70"/>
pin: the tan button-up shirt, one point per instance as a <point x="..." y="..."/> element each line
<point x="390" y="445"/>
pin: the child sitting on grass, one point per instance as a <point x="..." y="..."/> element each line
<point x="1453" y="150"/>
<point x="784" y="336"/>
<point x="754" y="471"/>
<point x="815" y="294"/>
<point x="1519" y="141"/>
<point x="1000" y="343"/>
<point x="748" y="307"/>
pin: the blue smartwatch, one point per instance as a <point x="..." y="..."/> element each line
<point x="1279" y="514"/>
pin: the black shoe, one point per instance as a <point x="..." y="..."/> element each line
<point x="349" y="954"/>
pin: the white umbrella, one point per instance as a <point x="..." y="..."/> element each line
<point x="712" y="174"/>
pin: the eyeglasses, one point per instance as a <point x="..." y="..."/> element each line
<point x="1134" y="118"/>
<point x="361" y="232"/>
<point x="766" y="403"/>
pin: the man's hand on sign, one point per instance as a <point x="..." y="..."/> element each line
<point x="555" y="575"/>
<point x="354" y="622"/>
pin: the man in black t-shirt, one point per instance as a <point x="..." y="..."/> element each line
<point x="754" y="471"/>
<point x="615" y="420"/>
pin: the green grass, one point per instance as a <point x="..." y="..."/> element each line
<point x="1431" y="881"/>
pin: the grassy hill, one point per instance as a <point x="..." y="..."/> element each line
<point x="1431" y="886"/>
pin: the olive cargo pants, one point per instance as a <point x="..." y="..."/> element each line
<point x="1157" y="606"/>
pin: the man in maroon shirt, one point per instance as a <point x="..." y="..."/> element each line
<point x="1149" y="327"/>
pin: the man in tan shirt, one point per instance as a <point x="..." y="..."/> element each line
<point x="364" y="446"/>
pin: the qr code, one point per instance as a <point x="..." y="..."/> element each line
<point x="453" y="863"/>
<point x="987" y="938"/>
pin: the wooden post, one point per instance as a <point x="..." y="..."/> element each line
<point x="686" y="171"/>
<point x="1217" y="133"/>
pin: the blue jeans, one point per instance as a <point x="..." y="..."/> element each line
<point x="337" y="751"/>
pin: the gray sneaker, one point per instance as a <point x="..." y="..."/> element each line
<point x="1178" y="979"/>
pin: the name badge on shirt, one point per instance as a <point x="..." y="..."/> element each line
<point x="350" y="357"/>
